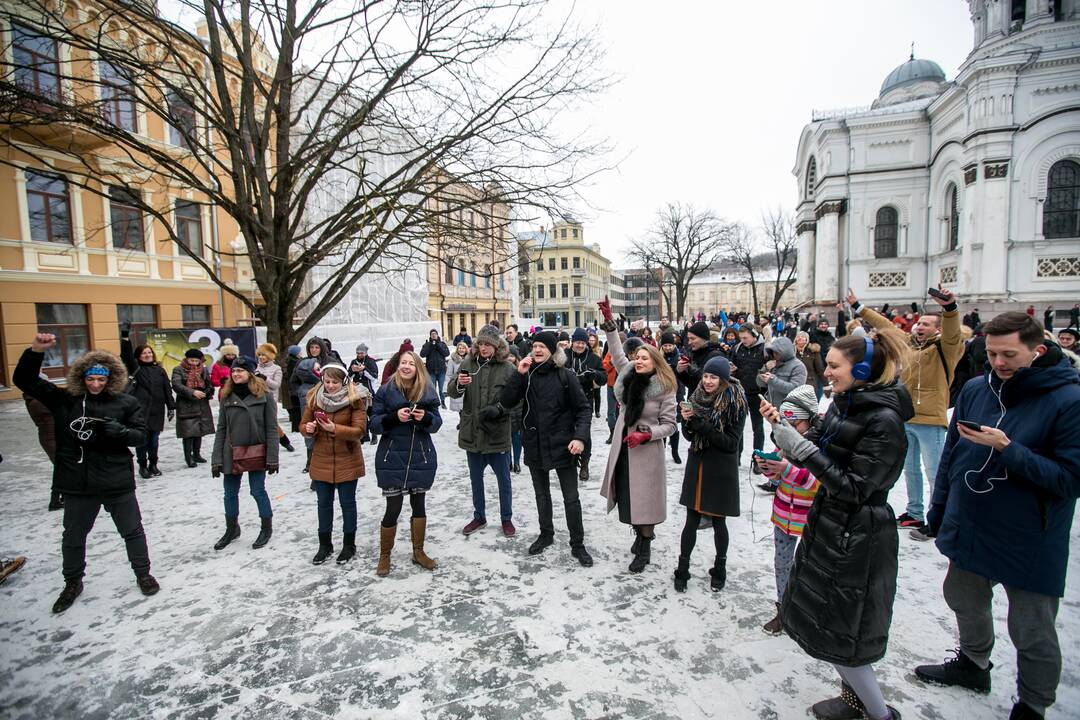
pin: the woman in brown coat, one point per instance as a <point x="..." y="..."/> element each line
<point x="635" y="479"/>
<point x="335" y="418"/>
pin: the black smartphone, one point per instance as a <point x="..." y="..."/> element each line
<point x="970" y="425"/>
<point x="934" y="292"/>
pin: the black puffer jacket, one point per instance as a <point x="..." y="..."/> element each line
<point x="748" y="362"/>
<point x="589" y="369"/>
<point x="554" y="412"/>
<point x="151" y="385"/>
<point x="838" y="603"/>
<point x="97" y="465"/>
<point x="692" y="375"/>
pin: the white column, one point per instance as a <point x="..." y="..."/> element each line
<point x="827" y="253"/>
<point x="804" y="283"/>
<point x="994" y="227"/>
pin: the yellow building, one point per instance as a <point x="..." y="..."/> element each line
<point x="563" y="278"/>
<point x="711" y="293"/>
<point x="469" y="262"/>
<point x="76" y="262"/>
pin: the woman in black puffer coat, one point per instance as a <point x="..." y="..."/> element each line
<point x="151" y="385"/>
<point x="838" y="603"/>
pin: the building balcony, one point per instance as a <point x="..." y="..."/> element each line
<point x="51" y="121"/>
<point x="578" y="272"/>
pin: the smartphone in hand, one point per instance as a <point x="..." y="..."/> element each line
<point x="970" y="425"/>
<point x="935" y="293"/>
<point x="322" y="417"/>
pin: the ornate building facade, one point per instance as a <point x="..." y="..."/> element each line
<point x="972" y="183"/>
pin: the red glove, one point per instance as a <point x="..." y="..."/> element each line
<point x="605" y="309"/>
<point x="638" y="438"/>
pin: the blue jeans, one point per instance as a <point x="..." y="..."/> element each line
<point x="148" y="451"/>
<point x="612" y="409"/>
<point x="346" y="493"/>
<point x="500" y="463"/>
<point x="257" y="486"/>
<point x="515" y="442"/>
<point x="440" y="382"/>
<point x="925" y="443"/>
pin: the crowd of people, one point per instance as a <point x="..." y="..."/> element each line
<point x="1003" y="467"/>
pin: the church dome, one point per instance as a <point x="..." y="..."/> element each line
<point x="912" y="72"/>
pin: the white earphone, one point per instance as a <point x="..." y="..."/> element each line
<point x="990" y="481"/>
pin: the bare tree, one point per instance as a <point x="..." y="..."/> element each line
<point x="683" y="243"/>
<point x="741" y="250"/>
<point x="334" y="134"/>
<point x="781" y="243"/>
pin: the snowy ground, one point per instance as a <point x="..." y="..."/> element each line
<point x="493" y="633"/>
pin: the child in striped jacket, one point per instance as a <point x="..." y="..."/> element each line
<point x="794" y="495"/>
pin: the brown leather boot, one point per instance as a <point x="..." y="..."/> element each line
<point x="776" y="625"/>
<point x="386" y="544"/>
<point x="419" y="530"/>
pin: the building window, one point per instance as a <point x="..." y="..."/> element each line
<point x="551" y="264"/>
<point x="449" y="278"/>
<point x="126" y="219"/>
<point x="577" y="289"/>
<point x="487" y="276"/>
<point x="502" y="279"/>
<point x="551" y="291"/>
<point x="37" y="62"/>
<point x="189" y="225"/>
<point x="886" y="228"/>
<point x="539" y="266"/>
<point x="575" y="232"/>
<point x="539" y="292"/>
<point x="181" y="121"/>
<point x="141" y="317"/>
<point x="563" y="264"/>
<point x="954" y="216"/>
<point x="1061" y="211"/>
<point x="1019" y="11"/>
<point x="565" y="289"/>
<point x="563" y="233"/>
<point x="525" y="291"/>
<point x="48" y="207"/>
<point x="195" y="316"/>
<point x="577" y="263"/>
<point x="68" y="323"/>
<point x="117" y="96"/>
<point x="472" y="275"/>
<point x="811" y="178"/>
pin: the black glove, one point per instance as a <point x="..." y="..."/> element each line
<point x="125" y="329"/>
<point x="934" y="516"/>
<point x="271" y="468"/>
<point x="114" y="429"/>
<point x="914" y="307"/>
<point x="490" y="412"/>
<point x="215" y="471"/>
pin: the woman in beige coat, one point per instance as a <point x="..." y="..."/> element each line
<point x="635" y="479"/>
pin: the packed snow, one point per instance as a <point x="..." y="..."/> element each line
<point x="492" y="633"/>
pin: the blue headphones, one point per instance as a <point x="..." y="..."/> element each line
<point x="861" y="370"/>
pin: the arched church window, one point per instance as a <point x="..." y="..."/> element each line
<point x="811" y="178"/>
<point x="952" y="197"/>
<point x="886" y="229"/>
<point x="1061" y="212"/>
<point x="1019" y="11"/>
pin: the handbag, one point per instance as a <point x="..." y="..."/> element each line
<point x="248" y="458"/>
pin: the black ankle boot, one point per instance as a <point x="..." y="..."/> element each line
<point x="232" y="531"/>
<point x="682" y="574"/>
<point x="285" y="443"/>
<point x="56" y="501"/>
<point x="152" y="462"/>
<point x="144" y="471"/>
<point x="675" y="454"/>
<point x="308" y="463"/>
<point x="643" y="556"/>
<point x="265" y="532"/>
<point x="348" y="548"/>
<point x="187" y="453"/>
<point x="72" y="589"/>
<point x="325" y="549"/>
<point x="719" y="575"/>
<point x="196" y="450"/>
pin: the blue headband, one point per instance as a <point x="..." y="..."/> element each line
<point x="100" y="370"/>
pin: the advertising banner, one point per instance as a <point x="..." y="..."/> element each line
<point x="170" y="344"/>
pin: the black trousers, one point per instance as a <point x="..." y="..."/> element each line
<point x="568" y="481"/>
<point x="80" y="512"/>
<point x="757" y="423"/>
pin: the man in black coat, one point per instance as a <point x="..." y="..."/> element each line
<point x="556" y="419"/>
<point x="689" y="367"/>
<point x="747" y="362"/>
<point x="96" y="423"/>
<point x="514" y="339"/>
<point x="589" y="369"/>
<point x="363" y="370"/>
<point x="462" y="337"/>
<point x="823" y="337"/>
<point x="435" y="352"/>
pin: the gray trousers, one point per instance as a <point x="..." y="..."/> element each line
<point x="1031" y="628"/>
<point x="783" y="559"/>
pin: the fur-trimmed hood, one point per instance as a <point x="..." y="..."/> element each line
<point x="118" y="376"/>
<point x="655" y="389"/>
<point x="1072" y="357"/>
<point x="502" y="349"/>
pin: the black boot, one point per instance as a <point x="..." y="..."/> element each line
<point x="847" y="706"/>
<point x="188" y="460"/>
<point x="515" y="468"/>
<point x="72" y="589"/>
<point x="264" y="533"/>
<point x="232" y="531"/>
<point x="1021" y="711"/>
<point x="675" y="454"/>
<point x="56" y="501"/>
<point x="286" y="443"/>
<point x="960" y="670"/>
<point x="147" y="584"/>
<point x="348" y="548"/>
<point x="682" y="574"/>
<point x="152" y="461"/>
<point x="196" y="449"/>
<point x="644" y="554"/>
<point x="582" y="556"/>
<point x="325" y="548"/>
<point x="144" y="471"/>
<point x="719" y="575"/>
<point x="308" y="463"/>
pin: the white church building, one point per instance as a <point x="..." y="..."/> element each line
<point x="973" y="183"/>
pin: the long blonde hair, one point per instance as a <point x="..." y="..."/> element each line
<point x="413" y="391"/>
<point x="663" y="370"/>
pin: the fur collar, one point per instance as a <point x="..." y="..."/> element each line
<point x="655" y="389"/>
<point x="76" y="384"/>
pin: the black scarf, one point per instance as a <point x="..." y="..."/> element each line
<point x="634" y="389"/>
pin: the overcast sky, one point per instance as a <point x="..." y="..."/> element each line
<point x="713" y="95"/>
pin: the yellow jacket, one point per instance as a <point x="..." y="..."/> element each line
<point x="925" y="375"/>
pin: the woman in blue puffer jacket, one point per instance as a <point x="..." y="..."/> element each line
<point x="404" y="414"/>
